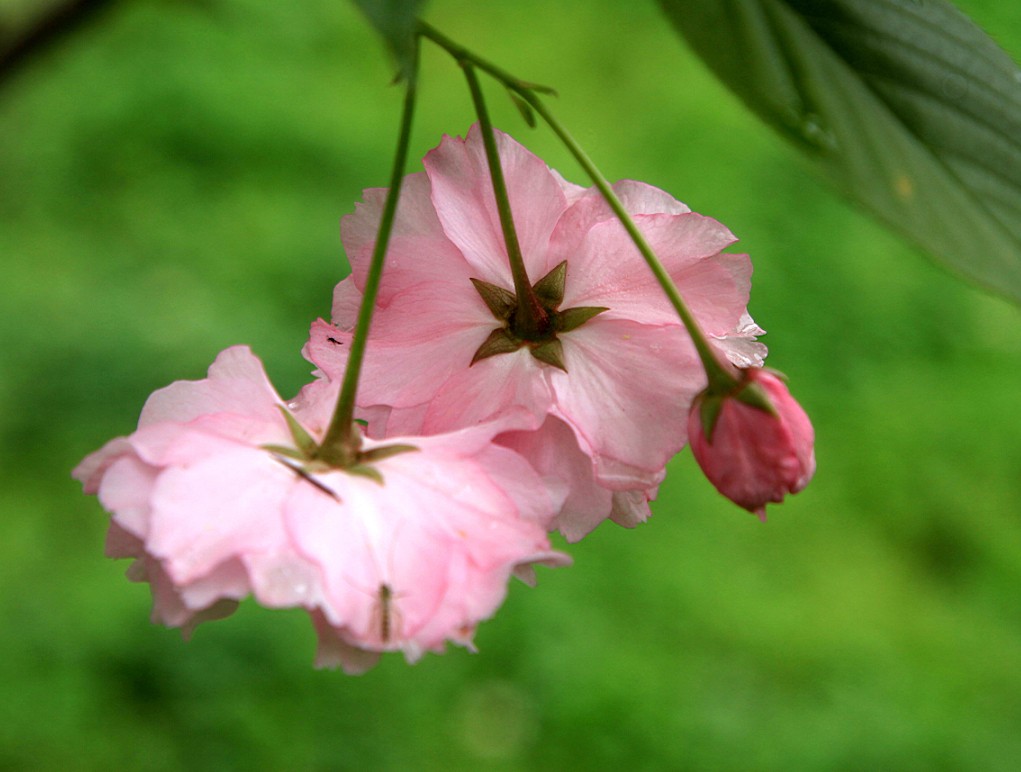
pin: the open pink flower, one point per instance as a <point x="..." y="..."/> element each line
<point x="211" y="497"/>
<point x="753" y="455"/>
<point x="198" y="501"/>
<point x="618" y="398"/>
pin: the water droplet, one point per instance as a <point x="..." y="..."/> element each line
<point x="815" y="131"/>
<point x="953" y="86"/>
<point x="292" y="405"/>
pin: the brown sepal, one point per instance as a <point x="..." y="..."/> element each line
<point x="500" y="341"/>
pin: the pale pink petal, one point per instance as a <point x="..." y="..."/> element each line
<point x="168" y="608"/>
<point x="683" y="240"/>
<point x="365" y="548"/>
<point x="462" y="195"/>
<point x="604" y="268"/>
<point x="219" y="610"/>
<point x="92" y="468"/>
<point x="609" y="271"/>
<point x="121" y="543"/>
<point x="630" y="508"/>
<point x="221" y="506"/>
<point x="641" y="198"/>
<point x="227" y="581"/>
<point x="716" y="291"/>
<point x="489" y="388"/>
<point x="126" y="489"/>
<point x="623" y="396"/>
<point x="347" y="301"/>
<point x="571" y="191"/>
<point x="740" y="346"/>
<point x="281" y="578"/>
<point x="428" y="334"/>
<point x="525" y="571"/>
<point x="168" y="444"/>
<point x="536" y="498"/>
<point x="427" y="555"/>
<point x="327" y="348"/>
<point x="335" y="651"/>
<point x="553" y="451"/>
<point x="237" y="383"/>
<point x="589" y="207"/>
<point x="385" y="421"/>
<point x="417" y="242"/>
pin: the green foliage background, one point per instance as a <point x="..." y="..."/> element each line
<point x="170" y="184"/>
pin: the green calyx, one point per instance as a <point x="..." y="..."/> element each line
<point x="746" y="391"/>
<point x="755" y="396"/>
<point x="308" y="458"/>
<point x="542" y="343"/>
<point x="709" y="412"/>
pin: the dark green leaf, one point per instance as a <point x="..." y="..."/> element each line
<point x="395" y="20"/>
<point x="906" y="104"/>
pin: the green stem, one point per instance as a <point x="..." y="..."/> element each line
<point x="342" y="442"/>
<point x="462" y="54"/>
<point x="531" y="320"/>
<point x="719" y="376"/>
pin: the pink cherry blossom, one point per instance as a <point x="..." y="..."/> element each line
<point x="616" y="413"/>
<point x="207" y="500"/>
<point x="754" y="456"/>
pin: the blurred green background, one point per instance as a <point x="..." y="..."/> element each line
<point x="171" y="180"/>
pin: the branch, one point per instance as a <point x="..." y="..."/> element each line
<point x="56" y="23"/>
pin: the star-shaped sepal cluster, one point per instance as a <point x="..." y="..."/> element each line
<point x="544" y="343"/>
<point x="308" y="458"/>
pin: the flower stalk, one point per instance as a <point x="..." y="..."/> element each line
<point x="531" y="320"/>
<point x="720" y="378"/>
<point x="342" y="443"/>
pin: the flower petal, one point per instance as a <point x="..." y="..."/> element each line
<point x="553" y="451"/>
<point x="489" y="388"/>
<point x="236" y="383"/>
<point x="462" y="194"/>
<point x="417" y="242"/>
<point x="222" y="506"/>
<point x="624" y="396"/>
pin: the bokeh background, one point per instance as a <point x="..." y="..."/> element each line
<point x="171" y="180"/>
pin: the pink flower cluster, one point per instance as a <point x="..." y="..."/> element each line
<point x="481" y="437"/>
<point x="208" y="502"/>
<point x="602" y="427"/>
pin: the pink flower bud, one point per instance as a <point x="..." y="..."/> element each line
<point x="754" y="444"/>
